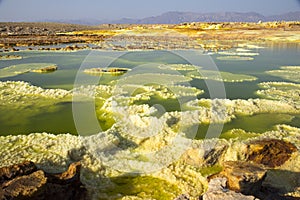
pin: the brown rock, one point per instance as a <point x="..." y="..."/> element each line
<point x="217" y="190"/>
<point x="230" y="195"/>
<point x="24" y="187"/>
<point x="66" y="185"/>
<point x="271" y="153"/>
<point x="243" y="177"/>
<point x="72" y="174"/>
<point x="212" y="155"/>
<point x="23" y="181"/>
<point x="10" y="172"/>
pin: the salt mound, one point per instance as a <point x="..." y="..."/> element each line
<point x="232" y="53"/>
<point x="282" y="91"/>
<point x="180" y="67"/>
<point x="220" y="76"/>
<point x="10" y="57"/>
<point x="234" y="58"/>
<point x="23" y="68"/>
<point x="243" y="50"/>
<point x="291" y="73"/>
<point x="224" y="110"/>
<point x="110" y="71"/>
<point x="51" y="152"/>
<point x="15" y="91"/>
<point x="250" y="46"/>
<point x="153" y="78"/>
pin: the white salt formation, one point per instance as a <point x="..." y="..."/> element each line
<point x="241" y="58"/>
<point x="180" y="67"/>
<point x="220" y="76"/>
<point x="23" y="68"/>
<point x="291" y="73"/>
<point x="14" y="90"/>
<point x="147" y="139"/>
<point x="281" y="91"/>
<point x="232" y="53"/>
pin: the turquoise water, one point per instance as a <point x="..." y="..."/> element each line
<point x="60" y="119"/>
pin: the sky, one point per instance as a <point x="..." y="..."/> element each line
<point x="38" y="10"/>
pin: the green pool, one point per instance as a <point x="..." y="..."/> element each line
<point x="58" y="118"/>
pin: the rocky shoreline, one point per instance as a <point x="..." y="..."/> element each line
<point x="26" y="181"/>
<point x="10" y="57"/>
<point x="207" y="36"/>
<point x="264" y="167"/>
<point x="36" y="34"/>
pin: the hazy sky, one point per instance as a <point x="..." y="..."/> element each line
<point x="30" y="10"/>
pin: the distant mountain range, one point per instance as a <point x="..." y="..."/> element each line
<point x="180" y="17"/>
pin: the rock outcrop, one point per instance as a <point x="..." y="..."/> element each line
<point x="247" y="180"/>
<point x="32" y="186"/>
<point x="11" y="172"/>
<point x="271" y="153"/>
<point x="217" y="190"/>
<point x="25" y="181"/>
<point x="65" y="185"/>
<point x="243" y="177"/>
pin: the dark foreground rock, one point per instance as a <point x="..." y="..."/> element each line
<point x="217" y="189"/>
<point x="244" y="177"/>
<point x="9" y="173"/>
<point x="66" y="185"/>
<point x="271" y="153"/>
<point x="31" y="186"/>
<point x="245" y="180"/>
<point x="25" y="181"/>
